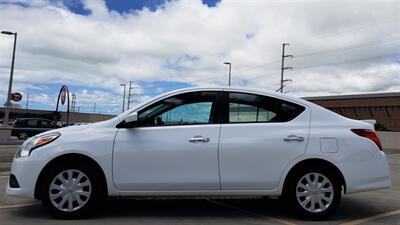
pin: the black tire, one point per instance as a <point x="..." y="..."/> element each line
<point x="292" y="201"/>
<point x="97" y="194"/>
<point x="22" y="136"/>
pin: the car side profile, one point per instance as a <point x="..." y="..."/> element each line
<point x="221" y="141"/>
<point x="28" y="127"/>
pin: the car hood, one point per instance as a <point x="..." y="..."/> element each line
<point x="83" y="128"/>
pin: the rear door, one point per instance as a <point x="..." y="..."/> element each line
<point x="260" y="137"/>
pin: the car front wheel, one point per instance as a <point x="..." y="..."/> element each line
<point x="313" y="194"/>
<point x="71" y="191"/>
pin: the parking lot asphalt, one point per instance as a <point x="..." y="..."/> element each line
<point x="376" y="207"/>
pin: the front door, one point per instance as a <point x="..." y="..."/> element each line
<point x="174" y="147"/>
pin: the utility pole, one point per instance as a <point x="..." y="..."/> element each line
<point x="130" y="93"/>
<point x="27" y="101"/>
<point x="73" y="105"/>
<point x="123" y="98"/>
<point x="8" y="102"/>
<point x="283" y="68"/>
<point x="94" y="108"/>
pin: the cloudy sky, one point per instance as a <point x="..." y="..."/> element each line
<point x="339" y="47"/>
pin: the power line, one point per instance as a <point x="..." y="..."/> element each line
<point x="259" y="66"/>
<point x="349" y="61"/>
<point x="360" y="27"/>
<point x="328" y="64"/>
<point x="347" y="48"/>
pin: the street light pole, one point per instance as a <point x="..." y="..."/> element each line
<point x="230" y="69"/>
<point x="123" y="99"/>
<point x="27" y="101"/>
<point x="8" y="102"/>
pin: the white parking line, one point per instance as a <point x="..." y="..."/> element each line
<point x="277" y="220"/>
<point x="16" y="206"/>
<point x="371" y="218"/>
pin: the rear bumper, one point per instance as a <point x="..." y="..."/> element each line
<point x="366" y="175"/>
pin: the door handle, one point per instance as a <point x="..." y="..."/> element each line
<point x="291" y="138"/>
<point x="197" y="139"/>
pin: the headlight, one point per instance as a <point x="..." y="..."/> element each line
<point x="35" y="142"/>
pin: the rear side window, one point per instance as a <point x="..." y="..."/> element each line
<point x="251" y="108"/>
<point x="46" y="124"/>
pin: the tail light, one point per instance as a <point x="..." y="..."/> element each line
<point x="370" y="134"/>
<point x="14" y="124"/>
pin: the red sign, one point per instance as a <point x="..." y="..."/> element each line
<point x="63" y="94"/>
<point x="16" y="97"/>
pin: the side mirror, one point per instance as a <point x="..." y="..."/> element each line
<point x="129" y="121"/>
<point x="133" y="117"/>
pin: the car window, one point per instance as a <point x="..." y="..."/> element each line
<point x="32" y="123"/>
<point x="250" y="108"/>
<point x="21" y="123"/>
<point x="46" y="124"/>
<point x="183" y="109"/>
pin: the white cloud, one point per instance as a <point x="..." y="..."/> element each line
<point x="97" y="8"/>
<point x="188" y="41"/>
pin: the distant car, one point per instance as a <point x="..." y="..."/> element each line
<point x="28" y="127"/>
<point x="64" y="124"/>
<point x="80" y="124"/>
<point x="205" y="142"/>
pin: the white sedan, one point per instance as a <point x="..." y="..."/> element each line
<point x="205" y="142"/>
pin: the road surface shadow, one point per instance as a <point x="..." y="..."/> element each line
<point x="203" y="209"/>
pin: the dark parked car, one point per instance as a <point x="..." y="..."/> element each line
<point x="28" y="127"/>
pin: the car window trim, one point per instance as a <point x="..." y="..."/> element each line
<point x="226" y="108"/>
<point x="213" y="112"/>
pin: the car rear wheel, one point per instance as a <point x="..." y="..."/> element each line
<point x="71" y="190"/>
<point x="313" y="193"/>
<point x="22" y="136"/>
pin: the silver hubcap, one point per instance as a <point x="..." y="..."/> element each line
<point x="70" y="190"/>
<point x="314" y="192"/>
<point x="23" y="135"/>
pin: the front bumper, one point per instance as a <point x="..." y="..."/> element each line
<point x="26" y="171"/>
<point x="367" y="175"/>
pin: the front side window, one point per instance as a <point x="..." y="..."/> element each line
<point x="183" y="109"/>
<point x="250" y="108"/>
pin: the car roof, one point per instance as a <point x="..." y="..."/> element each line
<point x="242" y="89"/>
<point x="33" y="119"/>
<point x="221" y="88"/>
